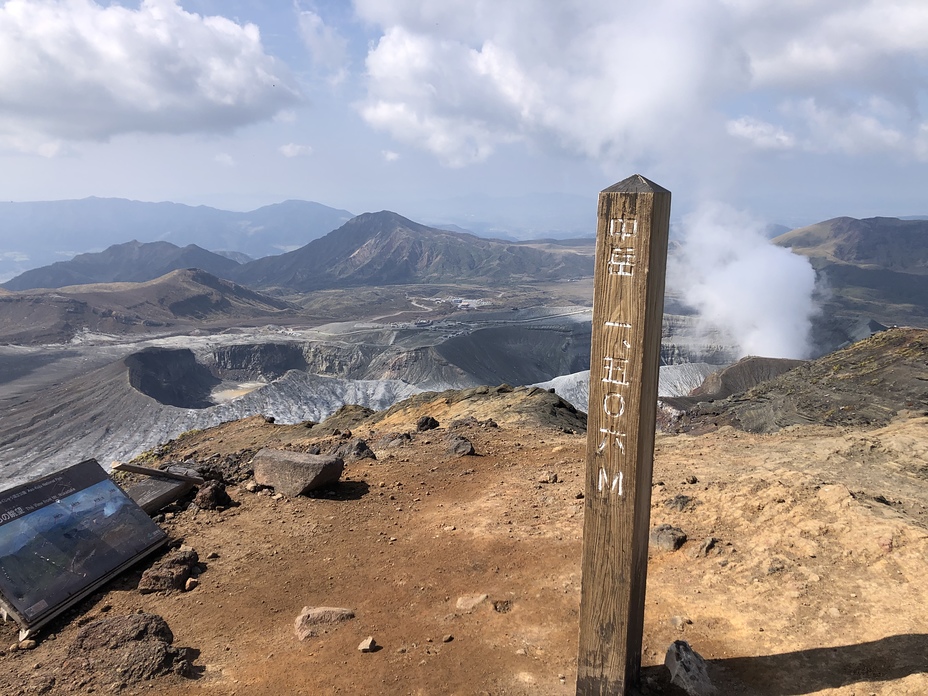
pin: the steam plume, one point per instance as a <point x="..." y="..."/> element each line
<point x="756" y="294"/>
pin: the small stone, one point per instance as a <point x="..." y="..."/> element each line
<point x="678" y="502"/>
<point x="191" y="584"/>
<point x="368" y="645"/>
<point x="307" y="623"/>
<point x="688" y="670"/>
<point x="212" y="495"/>
<point x="27" y="645"/>
<point x="212" y="555"/>
<point x="667" y="538"/>
<point x="521" y="651"/>
<point x="502" y="606"/>
<point x="468" y="603"/>
<point x="447" y="639"/>
<point x="461" y="446"/>
<point x="692" y="480"/>
<point x="251" y="486"/>
<point x="706" y="546"/>
<point x="548" y="477"/>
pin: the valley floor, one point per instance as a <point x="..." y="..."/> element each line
<point x="816" y="584"/>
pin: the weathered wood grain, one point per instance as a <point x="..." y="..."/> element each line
<point x="631" y="256"/>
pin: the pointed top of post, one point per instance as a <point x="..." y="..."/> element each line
<point x="636" y="184"/>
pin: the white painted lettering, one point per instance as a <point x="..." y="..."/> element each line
<point x="616" y="485"/>
<point x="613" y="404"/>
<point x="615" y="371"/>
<point x="617" y="440"/>
<point x="621" y="261"/>
<point x="622" y="228"/>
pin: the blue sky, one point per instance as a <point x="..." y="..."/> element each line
<point x="793" y="111"/>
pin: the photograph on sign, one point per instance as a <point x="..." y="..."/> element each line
<point x="65" y="534"/>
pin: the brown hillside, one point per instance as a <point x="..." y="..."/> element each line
<point x="178" y="300"/>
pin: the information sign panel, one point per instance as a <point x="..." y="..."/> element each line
<point x="62" y="536"/>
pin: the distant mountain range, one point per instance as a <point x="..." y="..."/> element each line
<point x="40" y="233"/>
<point x="873" y="269"/>
<point x="372" y="249"/>
<point x="387" y="249"/>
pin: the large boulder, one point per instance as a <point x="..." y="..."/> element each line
<point x="295" y="473"/>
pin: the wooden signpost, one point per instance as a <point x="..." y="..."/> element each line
<point x="628" y="300"/>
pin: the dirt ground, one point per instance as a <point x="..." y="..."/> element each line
<point x="815" y="585"/>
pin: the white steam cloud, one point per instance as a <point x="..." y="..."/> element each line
<point x="757" y="295"/>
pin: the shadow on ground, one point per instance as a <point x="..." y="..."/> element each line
<point x="809" y="671"/>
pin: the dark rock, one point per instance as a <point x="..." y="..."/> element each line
<point x="353" y="451"/>
<point x="230" y="468"/>
<point x="128" y="649"/>
<point x="269" y="419"/>
<point x="678" y="502"/>
<point x="461" y="446"/>
<point x="212" y="495"/>
<point x="426" y="423"/>
<point x="667" y="538"/>
<point x="295" y="473"/>
<point x="502" y="606"/>
<point x="170" y="573"/>
<point x="688" y="670"/>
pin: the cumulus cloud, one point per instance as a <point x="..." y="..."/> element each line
<point x="74" y="70"/>
<point x="614" y="82"/>
<point x="294" y="150"/>
<point x="464" y="78"/>
<point x="757" y="295"/>
<point x="327" y="47"/>
<point x="390" y="155"/>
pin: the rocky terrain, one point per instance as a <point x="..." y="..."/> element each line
<point x="865" y="384"/>
<point x="802" y="570"/>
